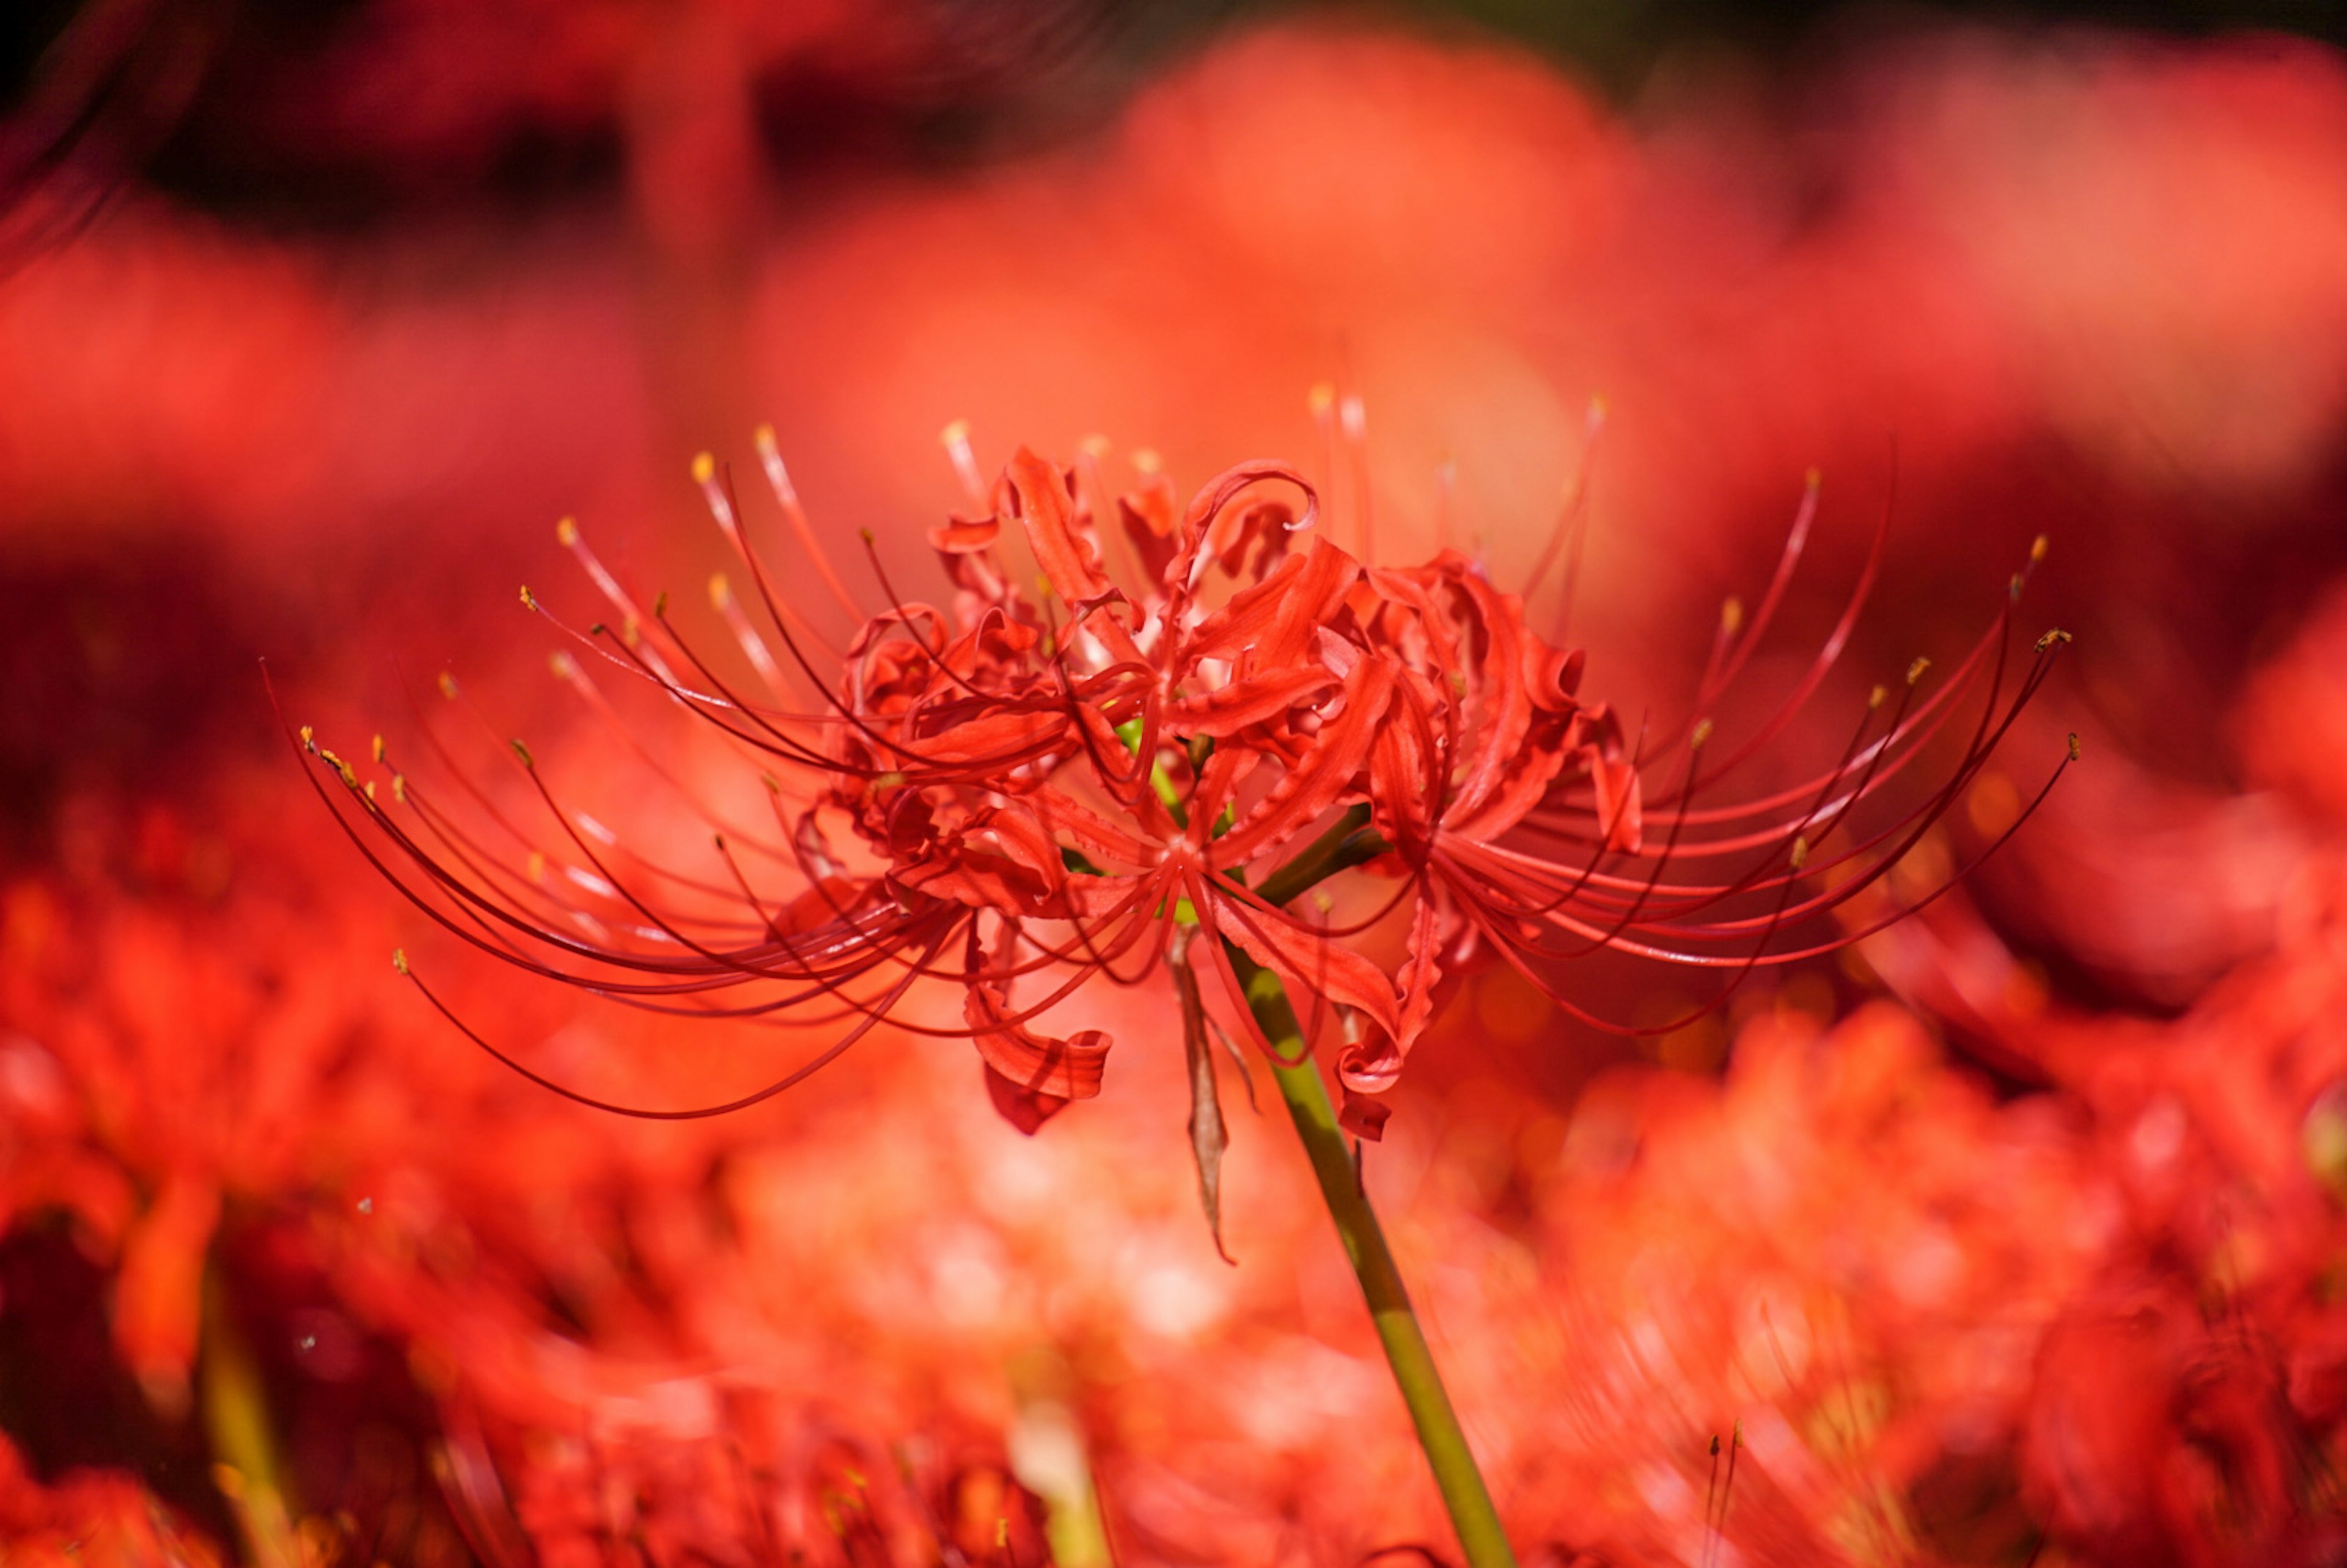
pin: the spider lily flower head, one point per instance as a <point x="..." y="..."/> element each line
<point x="1026" y="791"/>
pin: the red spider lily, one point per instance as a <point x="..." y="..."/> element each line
<point x="1053" y="787"/>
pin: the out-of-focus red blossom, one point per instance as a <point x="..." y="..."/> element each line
<point x="237" y="1121"/>
<point x="154" y="1073"/>
<point x="2292" y="723"/>
<point x="98" y="1520"/>
<point x="2192" y="1403"/>
<point x="1481" y="243"/>
<point x="1847" y="1253"/>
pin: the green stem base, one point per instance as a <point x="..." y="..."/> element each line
<point x="1455" y="1475"/>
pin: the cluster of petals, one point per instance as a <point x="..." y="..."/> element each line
<point x="1073" y="783"/>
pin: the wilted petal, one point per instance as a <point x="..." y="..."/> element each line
<point x="1208" y="1136"/>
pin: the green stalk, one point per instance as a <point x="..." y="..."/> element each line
<point x="1461" y="1484"/>
<point x="236" y="1419"/>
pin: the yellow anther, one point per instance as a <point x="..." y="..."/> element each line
<point x="1321" y="398"/>
<point x="375" y="746"/>
<point x="1915" y="671"/>
<point x="536" y="867"/>
<point x="399" y="959"/>
<point x="370" y="791"/>
<point x="2037" y="550"/>
<point x="660" y="605"/>
<point x="564" y="668"/>
<point x="1876" y="698"/>
<point x="399" y="788"/>
<point x="528" y="600"/>
<point x="1814" y="479"/>
<point x="1731" y="616"/>
<point x="721" y="592"/>
<point x="1701" y="734"/>
<point x="523" y="753"/>
<point x="764" y="437"/>
<point x="447" y="685"/>
<point x="1094" y="447"/>
<point x="2052" y="637"/>
<point x="308" y="742"/>
<point x="704" y="468"/>
<point x="2074" y="747"/>
<point x="956" y="433"/>
<point x="1146" y="462"/>
<point x="1801" y="856"/>
<point x="566" y="532"/>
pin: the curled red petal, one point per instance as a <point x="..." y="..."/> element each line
<point x="1373" y="1064"/>
<point x="1420" y="973"/>
<point x="1148" y="514"/>
<point x="1503" y="704"/>
<point x="1198" y="521"/>
<point x="1096" y="835"/>
<point x="1275" y="622"/>
<point x="1370" y="1065"/>
<point x="1063" y="546"/>
<point x="1363" y="1117"/>
<point x="1304" y="960"/>
<point x="960" y="535"/>
<point x="1245" y="702"/>
<point x="1402" y="785"/>
<point x="1030" y="1076"/>
<point x="1620" y="802"/>
<point x="1003" y="859"/>
<point x="1323" y="773"/>
<point x="1025" y="1108"/>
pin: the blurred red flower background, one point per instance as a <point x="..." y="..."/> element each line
<point x="2015" y="1234"/>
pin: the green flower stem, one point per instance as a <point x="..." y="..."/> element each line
<point x="1461" y="1484"/>
<point x="236" y="1418"/>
